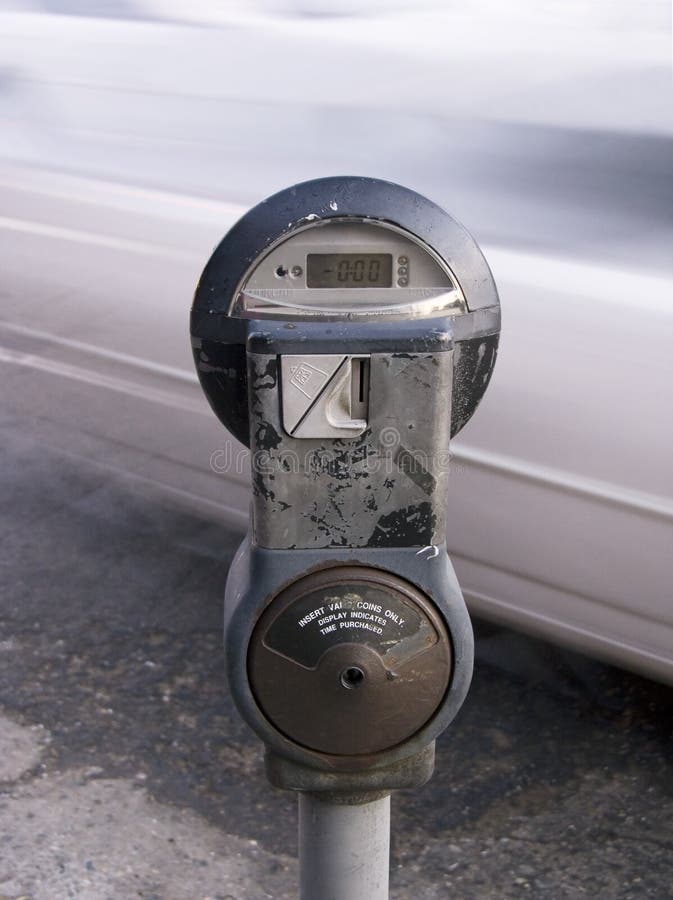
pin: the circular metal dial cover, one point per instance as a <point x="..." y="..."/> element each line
<point x="349" y="661"/>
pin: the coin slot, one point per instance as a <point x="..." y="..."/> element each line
<point x="359" y="388"/>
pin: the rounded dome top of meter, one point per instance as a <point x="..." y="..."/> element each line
<point x="343" y="247"/>
<point x="350" y="661"/>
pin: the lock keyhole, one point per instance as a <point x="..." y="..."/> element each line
<point x="352" y="677"/>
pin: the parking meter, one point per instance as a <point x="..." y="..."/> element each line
<point x="344" y="330"/>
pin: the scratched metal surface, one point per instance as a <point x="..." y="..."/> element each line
<point x="384" y="488"/>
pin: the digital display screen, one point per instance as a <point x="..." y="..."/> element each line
<point x="349" y="270"/>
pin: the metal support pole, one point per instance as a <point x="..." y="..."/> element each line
<point x="344" y="849"/>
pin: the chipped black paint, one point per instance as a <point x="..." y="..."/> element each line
<point x="266" y="437"/>
<point x="267" y="378"/>
<point x="348" y="492"/>
<point x="222" y="372"/>
<point x="342" y="460"/>
<point x="414" y="469"/>
<point x="260" y="487"/>
<point x="473" y="367"/>
<point x="413" y="526"/>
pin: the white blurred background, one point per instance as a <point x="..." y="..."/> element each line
<point x="542" y="125"/>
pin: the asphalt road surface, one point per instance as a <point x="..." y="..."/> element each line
<point x="125" y="771"/>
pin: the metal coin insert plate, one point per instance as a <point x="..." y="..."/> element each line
<point x="350" y="661"/>
<point x="324" y="395"/>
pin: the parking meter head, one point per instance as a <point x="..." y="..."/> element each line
<point x="348" y="250"/>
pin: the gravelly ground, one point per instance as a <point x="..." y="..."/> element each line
<point x="125" y="771"/>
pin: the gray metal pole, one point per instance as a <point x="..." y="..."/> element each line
<point x="344" y="849"/>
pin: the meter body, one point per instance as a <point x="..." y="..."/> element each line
<point x="344" y="330"/>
